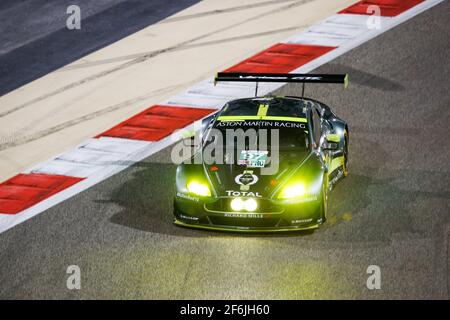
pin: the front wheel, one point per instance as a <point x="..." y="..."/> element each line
<point x="324" y="205"/>
<point x="345" y="149"/>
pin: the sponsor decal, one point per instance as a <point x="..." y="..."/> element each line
<point x="246" y="179"/>
<point x="336" y="178"/>
<point x="232" y="193"/>
<point x="243" y="215"/>
<point x="308" y="198"/>
<point x="187" y="196"/>
<point x="253" y="158"/>
<point x="261" y="123"/>
<point x="281" y="78"/>
<point x="188" y="217"/>
<point x="301" y="221"/>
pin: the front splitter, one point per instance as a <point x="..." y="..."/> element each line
<point x="245" y="229"/>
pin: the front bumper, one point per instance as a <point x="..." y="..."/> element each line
<point x="274" y="215"/>
<point x="244" y="229"/>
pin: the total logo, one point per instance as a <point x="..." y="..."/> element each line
<point x="242" y="194"/>
<point x="246" y="179"/>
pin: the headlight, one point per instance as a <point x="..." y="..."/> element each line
<point x="199" y="189"/>
<point x="238" y="204"/>
<point x="250" y="205"/>
<point x="292" y="191"/>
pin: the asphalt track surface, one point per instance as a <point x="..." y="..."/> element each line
<point x="34" y="39"/>
<point x="392" y="210"/>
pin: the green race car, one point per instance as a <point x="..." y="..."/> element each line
<point x="264" y="163"/>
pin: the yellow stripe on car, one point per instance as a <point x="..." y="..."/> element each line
<point x="262" y="111"/>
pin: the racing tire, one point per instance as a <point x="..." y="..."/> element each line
<point x="345" y="151"/>
<point x="324" y="205"/>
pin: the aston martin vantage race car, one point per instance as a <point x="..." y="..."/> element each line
<point x="264" y="163"/>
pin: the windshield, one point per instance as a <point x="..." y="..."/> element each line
<point x="241" y="140"/>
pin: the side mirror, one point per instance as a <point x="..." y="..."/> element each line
<point x="206" y="121"/>
<point x="322" y="112"/>
<point x="332" y="142"/>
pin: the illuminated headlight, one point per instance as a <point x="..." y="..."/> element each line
<point x="238" y="204"/>
<point x="199" y="189"/>
<point x="292" y="191"/>
<point x="250" y="205"/>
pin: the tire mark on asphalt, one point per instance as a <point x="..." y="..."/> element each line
<point x="145" y="58"/>
<point x="447" y="240"/>
<point x="190" y="46"/>
<point x="188" y="272"/>
<point x="43" y="133"/>
<point x="440" y="256"/>
<point x="227" y="10"/>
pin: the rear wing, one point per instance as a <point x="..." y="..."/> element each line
<point x="282" y="77"/>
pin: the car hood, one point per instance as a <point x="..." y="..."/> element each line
<point x="238" y="180"/>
